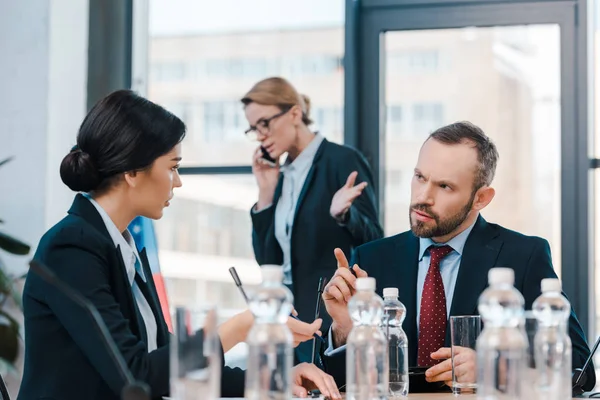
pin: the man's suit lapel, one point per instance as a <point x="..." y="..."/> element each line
<point x="406" y="276"/>
<point x="479" y="256"/>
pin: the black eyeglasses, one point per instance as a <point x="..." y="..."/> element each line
<point x="262" y="126"/>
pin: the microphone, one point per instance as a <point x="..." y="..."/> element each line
<point x="133" y="390"/>
<point x="320" y="288"/>
<point x="579" y="378"/>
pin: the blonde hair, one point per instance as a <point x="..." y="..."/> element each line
<point x="278" y="92"/>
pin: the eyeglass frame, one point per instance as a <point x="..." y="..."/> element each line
<point x="265" y="122"/>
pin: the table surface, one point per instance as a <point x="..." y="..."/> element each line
<point x="421" y="396"/>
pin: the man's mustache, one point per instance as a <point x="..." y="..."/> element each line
<point x="424" y="209"/>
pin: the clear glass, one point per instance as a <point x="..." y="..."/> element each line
<point x="270" y="343"/>
<point x="195" y="356"/>
<point x="367" y="360"/>
<point x="204" y="56"/>
<point x="464" y="331"/>
<point x="394" y="315"/>
<point x="506" y="80"/>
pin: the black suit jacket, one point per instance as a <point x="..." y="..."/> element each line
<point x="64" y="355"/>
<point x="315" y="233"/>
<point x="393" y="262"/>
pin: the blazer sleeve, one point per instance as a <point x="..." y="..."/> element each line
<point x="232" y="379"/>
<point x="362" y="221"/>
<point x="266" y="248"/>
<point x="538" y="268"/>
<point x="83" y="268"/>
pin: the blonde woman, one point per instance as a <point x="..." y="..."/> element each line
<point x="322" y="198"/>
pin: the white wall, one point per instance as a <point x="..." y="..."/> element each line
<point x="43" y="76"/>
<point x="43" y="90"/>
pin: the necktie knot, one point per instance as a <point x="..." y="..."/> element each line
<point x="437" y="253"/>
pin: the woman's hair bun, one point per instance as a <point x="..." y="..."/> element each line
<point x="78" y="172"/>
<point x="306" y="100"/>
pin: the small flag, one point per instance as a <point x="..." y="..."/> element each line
<point x="142" y="230"/>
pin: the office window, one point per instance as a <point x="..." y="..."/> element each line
<point x="203" y="57"/>
<point x="210" y="54"/>
<point x="413" y="61"/>
<point x="394" y="122"/>
<point x="329" y="122"/>
<point x="223" y="121"/>
<point x="168" y="72"/>
<point x="427" y="117"/>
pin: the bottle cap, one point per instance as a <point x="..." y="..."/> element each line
<point x="272" y="273"/>
<point x="551" y="285"/>
<point x="365" y="284"/>
<point x="390" y="292"/>
<point x="501" y="276"/>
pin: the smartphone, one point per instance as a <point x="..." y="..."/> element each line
<point x="267" y="158"/>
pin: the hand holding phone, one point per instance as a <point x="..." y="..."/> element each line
<point x="267" y="178"/>
<point x="266" y="158"/>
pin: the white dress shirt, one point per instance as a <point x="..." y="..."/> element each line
<point x="132" y="262"/>
<point x="449" y="267"/>
<point x="294" y="176"/>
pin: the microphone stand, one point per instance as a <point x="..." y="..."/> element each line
<point x="133" y="390"/>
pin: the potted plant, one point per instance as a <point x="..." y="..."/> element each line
<point x="9" y="295"/>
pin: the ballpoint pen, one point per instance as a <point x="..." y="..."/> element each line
<point x="238" y="283"/>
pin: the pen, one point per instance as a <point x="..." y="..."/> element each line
<point x="320" y="288"/>
<point x="238" y="283"/>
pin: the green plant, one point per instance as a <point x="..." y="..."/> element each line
<point x="9" y="327"/>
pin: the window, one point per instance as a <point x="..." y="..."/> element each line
<point x="427" y="117"/>
<point x="329" y="122"/>
<point x="223" y="121"/>
<point x="168" y="72"/>
<point x="413" y="61"/>
<point x="394" y="122"/>
<point x="203" y="57"/>
<point x="212" y="69"/>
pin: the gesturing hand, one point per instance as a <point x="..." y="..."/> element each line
<point x="337" y="294"/>
<point x="343" y="198"/>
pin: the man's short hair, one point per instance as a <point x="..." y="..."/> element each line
<point x="465" y="132"/>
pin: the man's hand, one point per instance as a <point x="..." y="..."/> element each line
<point x="308" y="377"/>
<point x="465" y="367"/>
<point x="337" y="294"/>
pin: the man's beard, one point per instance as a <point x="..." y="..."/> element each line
<point x="441" y="227"/>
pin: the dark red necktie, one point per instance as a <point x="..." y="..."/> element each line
<point x="433" y="317"/>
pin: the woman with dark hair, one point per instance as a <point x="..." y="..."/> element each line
<point x="125" y="164"/>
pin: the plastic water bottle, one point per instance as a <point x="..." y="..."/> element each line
<point x="394" y="314"/>
<point x="502" y="344"/>
<point x="270" y="342"/>
<point x="367" y="363"/>
<point x="552" y="344"/>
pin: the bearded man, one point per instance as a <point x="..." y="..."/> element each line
<point x="441" y="265"/>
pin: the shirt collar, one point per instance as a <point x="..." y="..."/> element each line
<point x="122" y="240"/>
<point x="306" y="157"/>
<point x="457" y="242"/>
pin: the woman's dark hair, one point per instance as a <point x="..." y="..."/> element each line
<point x="123" y="132"/>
